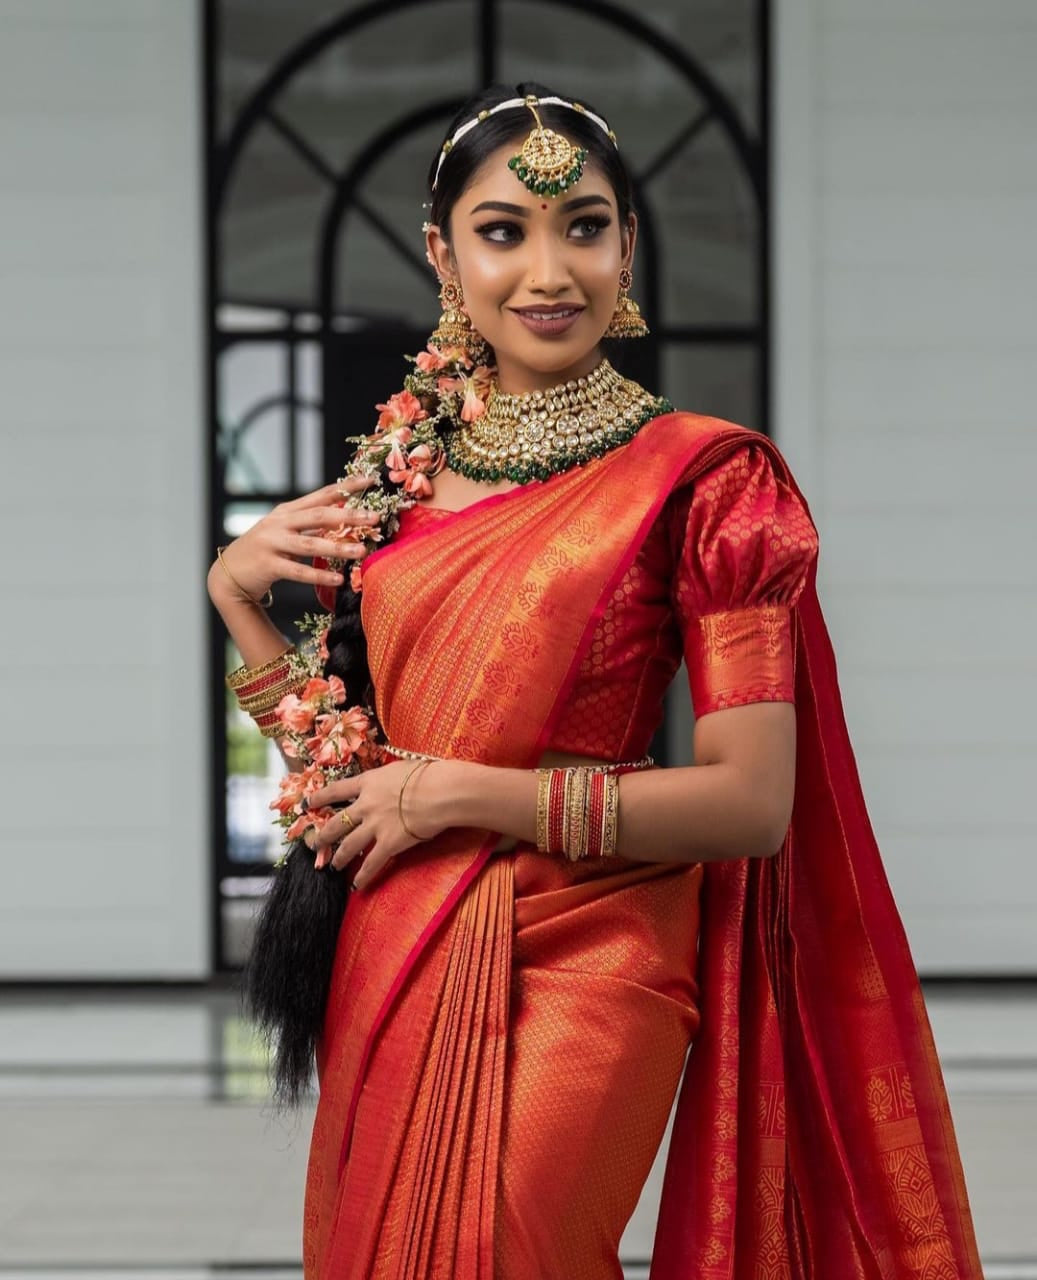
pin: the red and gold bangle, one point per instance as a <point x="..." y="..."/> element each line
<point x="272" y="696"/>
<point x="595" y="813"/>
<point x="242" y="678"/>
<point x="269" y="725"/>
<point x="249" y="693"/>
<point x="556" y="813"/>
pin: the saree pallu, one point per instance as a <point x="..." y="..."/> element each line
<point x="505" y="1035"/>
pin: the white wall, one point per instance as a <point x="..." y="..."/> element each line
<point x="906" y="185"/>
<point x="102" y="518"/>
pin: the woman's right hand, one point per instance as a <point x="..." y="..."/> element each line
<point x="268" y="552"/>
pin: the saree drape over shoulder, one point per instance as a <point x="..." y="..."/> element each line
<point x="506" y="1031"/>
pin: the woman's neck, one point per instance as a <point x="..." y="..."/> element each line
<point x="517" y="379"/>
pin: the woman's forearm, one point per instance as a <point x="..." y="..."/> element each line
<point x="699" y="813"/>
<point x="255" y="636"/>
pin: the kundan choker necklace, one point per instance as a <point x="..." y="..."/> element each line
<point x="540" y="433"/>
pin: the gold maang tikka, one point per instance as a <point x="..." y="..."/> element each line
<point x="530" y="101"/>
<point x="548" y="163"/>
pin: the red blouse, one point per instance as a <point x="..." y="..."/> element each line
<point x="713" y="583"/>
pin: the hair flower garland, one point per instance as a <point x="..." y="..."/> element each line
<point x="401" y="456"/>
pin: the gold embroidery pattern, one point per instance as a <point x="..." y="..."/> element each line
<point x="715" y="1252"/>
<point x="740" y="656"/>
<point x="925" y="1245"/>
<point x="771" y="1258"/>
<point x="879" y="1097"/>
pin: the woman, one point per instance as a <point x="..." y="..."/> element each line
<point x="506" y="1027"/>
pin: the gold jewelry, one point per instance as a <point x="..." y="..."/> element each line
<point x="399" y="805"/>
<point x="577" y="786"/>
<point x="347" y="817"/>
<point x="455" y="328"/>
<point x="627" y="320"/>
<point x="509" y="105"/>
<point x="645" y="762"/>
<point x="543" y="807"/>
<point x="548" y="163"/>
<point x="610" y="819"/>
<point x="264" y="603"/>
<point x="242" y="676"/>
<point x="537" y="434"/>
<point x="260" y="689"/>
<point x="270" y="697"/>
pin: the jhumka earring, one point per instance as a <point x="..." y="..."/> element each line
<point x="455" y="328"/>
<point x="627" y="320"/>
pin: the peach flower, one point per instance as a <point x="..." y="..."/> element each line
<point x="293" y="786"/>
<point x="402" y="409"/>
<point x="295" y="714"/>
<point x="291" y="789"/>
<point x="420" y="457"/>
<point x="396" y="459"/>
<point x="473" y="406"/>
<point x="431" y="360"/>
<point x="311" y="818"/>
<point x="338" y="736"/>
<point x="418" y="485"/>
<point x="298" y="711"/>
<point x="336" y="690"/>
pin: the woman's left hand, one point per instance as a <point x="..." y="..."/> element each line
<point x="370" y="824"/>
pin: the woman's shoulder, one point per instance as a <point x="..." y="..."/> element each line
<point x="719" y="438"/>
<point x="735" y="473"/>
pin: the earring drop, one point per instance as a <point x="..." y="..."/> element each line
<point x="455" y="328"/>
<point x="627" y="320"/>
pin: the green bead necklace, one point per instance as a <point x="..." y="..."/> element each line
<point x="538" y="434"/>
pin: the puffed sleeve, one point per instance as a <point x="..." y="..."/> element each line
<point x="743" y="545"/>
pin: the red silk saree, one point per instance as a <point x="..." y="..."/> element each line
<point x="506" y="1032"/>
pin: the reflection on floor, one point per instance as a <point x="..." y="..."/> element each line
<point x="138" y="1140"/>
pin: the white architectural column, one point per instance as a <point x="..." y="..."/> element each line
<point x="102" y="500"/>
<point x="905" y="167"/>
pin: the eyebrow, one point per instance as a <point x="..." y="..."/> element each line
<point x="500" y="206"/>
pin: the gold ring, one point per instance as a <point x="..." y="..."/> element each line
<point x="352" y="824"/>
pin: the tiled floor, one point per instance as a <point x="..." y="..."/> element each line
<point x="138" y="1142"/>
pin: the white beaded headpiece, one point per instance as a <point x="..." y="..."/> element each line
<point x="540" y="135"/>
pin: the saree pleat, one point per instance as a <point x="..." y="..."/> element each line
<point x="603" y="1010"/>
<point x="446" y="1179"/>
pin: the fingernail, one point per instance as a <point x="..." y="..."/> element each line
<point x="353" y="884"/>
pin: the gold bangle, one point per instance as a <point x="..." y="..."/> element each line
<point x="576" y="793"/>
<point x="265" y="603"/>
<point x="246" y="675"/>
<point x="610" y="816"/>
<point x="543" y="803"/>
<point x="399" y="804"/>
